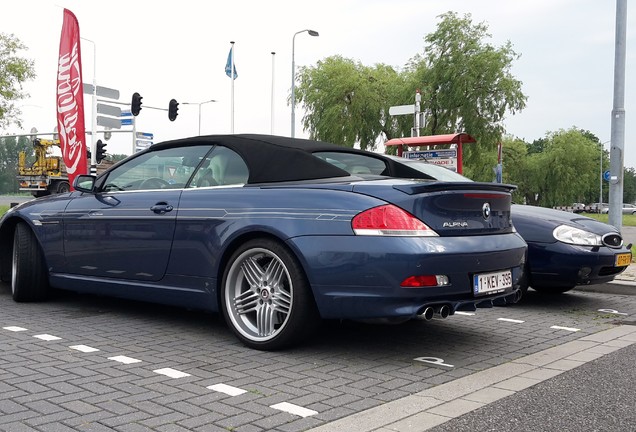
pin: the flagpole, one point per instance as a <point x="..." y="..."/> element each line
<point x="232" y="76"/>
<point x="272" y="110"/>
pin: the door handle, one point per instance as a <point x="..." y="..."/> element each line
<point x="161" y="208"/>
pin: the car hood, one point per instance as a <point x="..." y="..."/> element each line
<point x="537" y="223"/>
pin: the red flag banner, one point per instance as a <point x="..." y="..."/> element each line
<point x="70" y="99"/>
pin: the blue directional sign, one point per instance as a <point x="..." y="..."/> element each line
<point x="126" y="118"/>
<point x="606" y="176"/>
<point x="145" y="135"/>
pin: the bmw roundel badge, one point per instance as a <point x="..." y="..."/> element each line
<point x="485" y="211"/>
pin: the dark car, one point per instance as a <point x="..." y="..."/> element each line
<point x="564" y="249"/>
<point x="258" y="228"/>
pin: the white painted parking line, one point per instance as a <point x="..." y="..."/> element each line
<point x="228" y="390"/>
<point x="510" y="320"/>
<point x="172" y="373"/>
<point x="294" y="409"/>
<point x="572" y="329"/>
<point x="15" y="328"/>
<point x="83" y="348"/>
<point x="47" y="337"/>
<point x="124" y="359"/>
<point x="464" y="313"/>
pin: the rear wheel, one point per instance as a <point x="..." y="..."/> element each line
<point x="29" y="279"/>
<point x="266" y="298"/>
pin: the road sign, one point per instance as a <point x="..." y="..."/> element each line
<point x="106" y="92"/>
<point x="108" y="110"/>
<point x="145" y="135"/>
<point x="431" y="154"/>
<point x="109" y="122"/>
<point x="606" y="176"/>
<point x="402" y="110"/>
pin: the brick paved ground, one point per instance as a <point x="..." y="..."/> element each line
<point x="47" y="386"/>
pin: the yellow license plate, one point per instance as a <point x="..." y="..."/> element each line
<point x="622" y="260"/>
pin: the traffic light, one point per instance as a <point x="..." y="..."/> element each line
<point x="173" y="109"/>
<point x="100" y="152"/>
<point x="135" y="105"/>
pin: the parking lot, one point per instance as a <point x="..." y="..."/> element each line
<point x="81" y="362"/>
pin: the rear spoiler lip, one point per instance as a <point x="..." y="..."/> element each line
<point x="422" y="187"/>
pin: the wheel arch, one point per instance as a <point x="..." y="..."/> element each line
<point x="7" y="230"/>
<point x="243" y="238"/>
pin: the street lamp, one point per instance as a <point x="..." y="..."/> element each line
<point x="293" y="85"/>
<point x="199" y="103"/>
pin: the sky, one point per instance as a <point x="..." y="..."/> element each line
<point x="165" y="50"/>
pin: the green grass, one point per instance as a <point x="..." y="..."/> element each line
<point x="3" y="209"/>
<point x="628" y="220"/>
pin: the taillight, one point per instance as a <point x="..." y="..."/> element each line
<point x="390" y="220"/>
<point x="425" y="281"/>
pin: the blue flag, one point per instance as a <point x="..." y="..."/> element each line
<point x="228" y="65"/>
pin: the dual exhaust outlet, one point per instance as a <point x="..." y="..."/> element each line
<point x="429" y="312"/>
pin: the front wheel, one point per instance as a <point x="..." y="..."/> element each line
<point x="267" y="300"/>
<point x="29" y="279"/>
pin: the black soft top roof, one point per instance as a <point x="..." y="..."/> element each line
<point x="271" y="158"/>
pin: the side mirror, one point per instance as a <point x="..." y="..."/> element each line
<point x="84" y="183"/>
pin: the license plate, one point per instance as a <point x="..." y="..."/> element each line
<point x="622" y="260"/>
<point x="486" y="283"/>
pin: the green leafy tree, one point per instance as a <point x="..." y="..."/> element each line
<point x="9" y="154"/>
<point x="566" y="171"/>
<point x="14" y="71"/>
<point x="629" y="185"/>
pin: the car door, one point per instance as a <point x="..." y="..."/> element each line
<point x="125" y="230"/>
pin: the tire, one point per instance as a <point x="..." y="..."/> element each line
<point x="266" y="298"/>
<point x="552" y="290"/>
<point x="63" y="187"/>
<point x="29" y="278"/>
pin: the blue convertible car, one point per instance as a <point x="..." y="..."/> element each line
<point x="269" y="235"/>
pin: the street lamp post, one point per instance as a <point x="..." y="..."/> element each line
<point x="293" y="85"/>
<point x="199" y="104"/>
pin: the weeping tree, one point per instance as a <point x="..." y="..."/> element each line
<point x="465" y="82"/>
<point x="467" y="86"/>
<point x="346" y="102"/>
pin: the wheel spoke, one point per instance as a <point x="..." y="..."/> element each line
<point x="252" y="271"/>
<point x="282" y="301"/>
<point x="246" y="302"/>
<point x="275" y="274"/>
<point x="265" y="320"/>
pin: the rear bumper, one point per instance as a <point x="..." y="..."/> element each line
<point x="359" y="277"/>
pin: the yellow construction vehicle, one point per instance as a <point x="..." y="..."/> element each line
<point x="47" y="174"/>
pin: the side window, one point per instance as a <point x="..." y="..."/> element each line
<point x="162" y="169"/>
<point x="219" y="168"/>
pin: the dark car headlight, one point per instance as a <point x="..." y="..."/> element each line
<point x="576" y="236"/>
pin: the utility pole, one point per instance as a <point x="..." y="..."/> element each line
<point x="617" y="144"/>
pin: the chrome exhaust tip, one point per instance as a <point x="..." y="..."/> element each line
<point x="443" y="311"/>
<point x="427" y="313"/>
